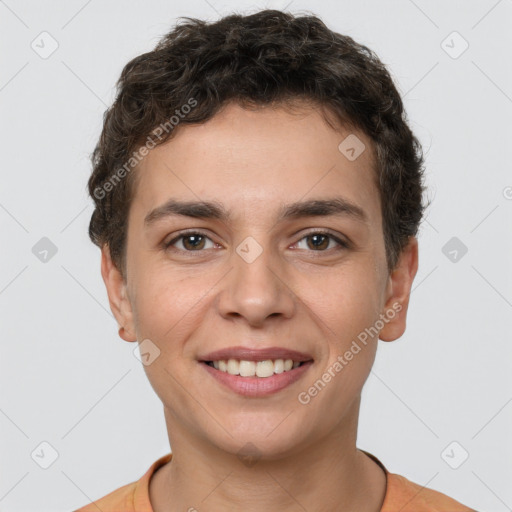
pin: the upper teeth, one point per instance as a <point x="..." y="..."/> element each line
<point x="255" y="368"/>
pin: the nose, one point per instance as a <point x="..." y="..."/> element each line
<point x="256" y="291"/>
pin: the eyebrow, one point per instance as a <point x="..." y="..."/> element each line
<point x="338" y="206"/>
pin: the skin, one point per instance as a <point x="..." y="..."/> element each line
<point x="293" y="295"/>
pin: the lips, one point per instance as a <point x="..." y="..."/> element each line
<point x="255" y="386"/>
<point x="248" y="354"/>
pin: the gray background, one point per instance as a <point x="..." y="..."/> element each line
<point x="66" y="377"/>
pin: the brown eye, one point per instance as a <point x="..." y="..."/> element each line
<point x="320" y="241"/>
<point x="190" y="242"/>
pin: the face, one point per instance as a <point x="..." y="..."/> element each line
<point x="252" y="271"/>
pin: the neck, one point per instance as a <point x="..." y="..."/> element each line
<point x="331" y="474"/>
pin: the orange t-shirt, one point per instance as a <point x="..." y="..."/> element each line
<point x="401" y="495"/>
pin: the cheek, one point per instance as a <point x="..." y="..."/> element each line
<point x="158" y="305"/>
<point x="344" y="302"/>
<point x="345" y="307"/>
<point x="167" y="315"/>
<point x="169" y="307"/>
<point x="345" y="313"/>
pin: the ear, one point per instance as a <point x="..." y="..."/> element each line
<point x="117" y="296"/>
<point x="399" y="291"/>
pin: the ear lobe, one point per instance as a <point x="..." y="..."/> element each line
<point x="117" y="295"/>
<point x="399" y="291"/>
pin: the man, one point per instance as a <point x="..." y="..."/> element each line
<point x="258" y="193"/>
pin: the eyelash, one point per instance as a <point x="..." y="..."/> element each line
<point x="342" y="245"/>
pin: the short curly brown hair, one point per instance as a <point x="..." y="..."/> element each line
<point x="270" y="57"/>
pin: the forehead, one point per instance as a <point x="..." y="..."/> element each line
<point x="254" y="161"/>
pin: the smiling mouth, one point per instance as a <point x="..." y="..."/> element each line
<point x="261" y="369"/>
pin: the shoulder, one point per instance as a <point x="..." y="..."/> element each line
<point x="120" y="499"/>
<point x="407" y="496"/>
<point x="132" y="497"/>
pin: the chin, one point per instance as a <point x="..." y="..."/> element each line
<point x="261" y="442"/>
